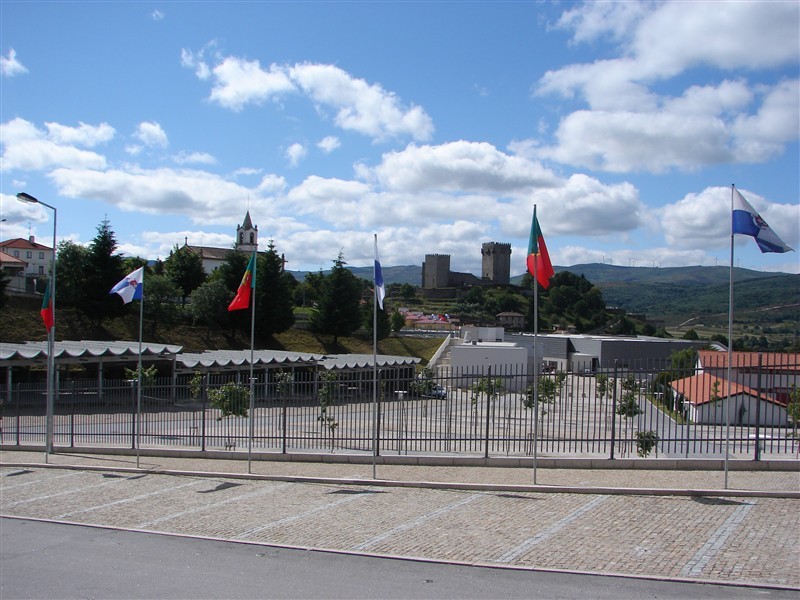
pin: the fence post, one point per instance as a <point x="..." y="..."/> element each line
<point x="133" y="414"/>
<point x="758" y="410"/>
<point x="489" y="394"/>
<point x="614" y="411"/>
<point x="203" y="399"/>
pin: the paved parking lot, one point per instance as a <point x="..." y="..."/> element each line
<point x="736" y="539"/>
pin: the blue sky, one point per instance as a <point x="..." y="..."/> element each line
<point x="436" y="125"/>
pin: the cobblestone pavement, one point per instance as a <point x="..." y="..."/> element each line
<point x="723" y="538"/>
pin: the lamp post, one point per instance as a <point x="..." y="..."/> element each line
<point x="51" y="335"/>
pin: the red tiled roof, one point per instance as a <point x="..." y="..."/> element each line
<point x="698" y="389"/>
<point x="23" y="244"/>
<point x="769" y="360"/>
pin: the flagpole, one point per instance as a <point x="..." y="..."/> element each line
<point x="375" y="363"/>
<point x="535" y="364"/>
<point x="252" y="345"/>
<point x="139" y="383"/>
<point x="730" y="348"/>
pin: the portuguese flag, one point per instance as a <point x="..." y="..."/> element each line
<point x="538" y="259"/>
<point x="48" y="315"/>
<point x="242" y="299"/>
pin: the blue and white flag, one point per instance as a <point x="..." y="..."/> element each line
<point x="131" y="287"/>
<point x="748" y="222"/>
<point x="380" y="290"/>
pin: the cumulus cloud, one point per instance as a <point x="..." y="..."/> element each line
<point x="328" y="144"/>
<point x="203" y="197"/>
<point x="151" y="135"/>
<point x="10" y="66"/>
<point x="83" y="135"/>
<point x="295" y="153"/>
<point x="27" y="148"/>
<point x="703" y="220"/>
<point x="357" y="105"/>
<point x="630" y="126"/>
<point x="460" y="166"/>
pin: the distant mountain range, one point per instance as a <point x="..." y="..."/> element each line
<point x="660" y="292"/>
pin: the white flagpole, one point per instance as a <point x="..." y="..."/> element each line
<point x="730" y="349"/>
<point x="139" y="380"/>
<point x="535" y="364"/>
<point x="375" y="364"/>
<point x="252" y="345"/>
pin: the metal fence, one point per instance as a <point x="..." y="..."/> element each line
<point x="616" y="413"/>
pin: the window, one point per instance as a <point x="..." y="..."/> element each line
<point x="41" y="255"/>
<point x="16" y="253"/>
<point x="41" y="270"/>
<point x="28" y="254"/>
<point x="252" y="237"/>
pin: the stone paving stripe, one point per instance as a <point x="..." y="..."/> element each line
<point x="212" y="505"/>
<point x="28" y="482"/>
<point x="250" y="532"/>
<point x="65" y="492"/>
<point x="550" y="531"/>
<point x="709" y="550"/>
<point x="126" y="500"/>
<point x="418" y="521"/>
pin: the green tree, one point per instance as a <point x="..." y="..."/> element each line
<point x="71" y="265"/>
<point x="232" y="399"/>
<point x="793" y="409"/>
<point x="4" y="281"/>
<point x="384" y="322"/>
<point x="209" y="304"/>
<point x="274" y="294"/>
<point x="691" y="334"/>
<point x="103" y="270"/>
<point x="339" y="311"/>
<point x="397" y="320"/>
<point x="160" y="308"/>
<point x="546" y="392"/>
<point x="185" y="269"/>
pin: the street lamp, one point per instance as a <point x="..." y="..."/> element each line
<point x="51" y="335"/>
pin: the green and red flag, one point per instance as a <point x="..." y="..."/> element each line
<point x="48" y="315"/>
<point x="242" y="298"/>
<point x="538" y="259"/>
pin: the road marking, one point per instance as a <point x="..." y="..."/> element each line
<point x="549" y="532"/>
<point x="127" y="500"/>
<point x="35" y="481"/>
<point x="416" y="522"/>
<point x="64" y="492"/>
<point x="213" y="505"/>
<point x="714" y="544"/>
<point x="250" y="532"/>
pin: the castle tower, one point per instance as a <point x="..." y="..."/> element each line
<point x="246" y="235"/>
<point x="496" y="262"/>
<point x="436" y="271"/>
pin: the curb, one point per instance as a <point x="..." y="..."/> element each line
<point x="484" y="487"/>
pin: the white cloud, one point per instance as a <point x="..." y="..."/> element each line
<point x="361" y="107"/>
<point x="460" y="166"/>
<point x="629" y="126"/>
<point x="27" y="148"/>
<point x="203" y="158"/>
<point x="200" y="196"/>
<point x="151" y="135"/>
<point x="10" y="66"/>
<point x="358" y="106"/>
<point x="83" y="135"/>
<point x="703" y="220"/>
<point x="295" y="153"/>
<point x="238" y="82"/>
<point x="157" y="15"/>
<point x="328" y="144"/>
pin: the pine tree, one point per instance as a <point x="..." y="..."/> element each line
<point x="339" y="306"/>
<point x="274" y="294"/>
<point x="185" y="269"/>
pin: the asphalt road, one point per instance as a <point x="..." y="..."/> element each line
<point x="53" y="560"/>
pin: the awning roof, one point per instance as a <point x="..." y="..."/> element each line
<point x="84" y="351"/>
<point x="89" y="351"/>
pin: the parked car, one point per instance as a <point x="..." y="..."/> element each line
<point x="435" y="391"/>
